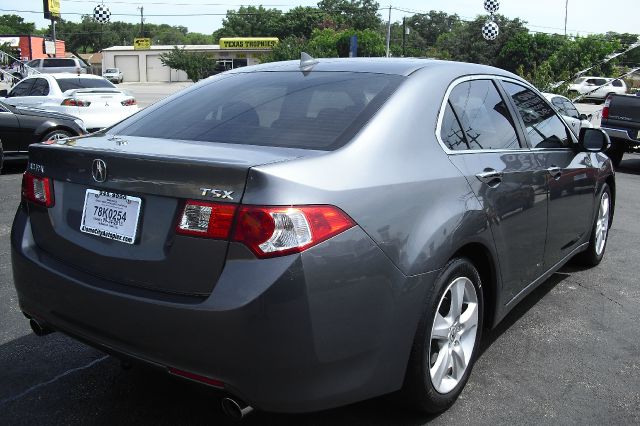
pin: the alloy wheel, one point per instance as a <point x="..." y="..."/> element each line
<point x="453" y="335"/>
<point x="602" y="223"/>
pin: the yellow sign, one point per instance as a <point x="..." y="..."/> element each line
<point x="141" y="43"/>
<point x="248" y="42"/>
<point x="51" y="9"/>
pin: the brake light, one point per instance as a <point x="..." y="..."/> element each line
<point x="605" y="109"/>
<point x="75" y="102"/>
<point x="38" y="190"/>
<point x="276" y="231"/>
<point x="212" y="220"/>
<point x="128" y="102"/>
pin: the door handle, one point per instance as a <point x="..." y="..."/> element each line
<point x="491" y="177"/>
<point x="555" y="172"/>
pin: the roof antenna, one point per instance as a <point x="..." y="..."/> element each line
<point x="307" y="62"/>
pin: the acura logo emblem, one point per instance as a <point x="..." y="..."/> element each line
<point x="99" y="170"/>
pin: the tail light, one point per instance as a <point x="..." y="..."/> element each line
<point x="267" y="231"/>
<point x="605" y="109"/>
<point x="128" y="102"/>
<point x="212" y="220"/>
<point x="75" y="102"/>
<point x="38" y="190"/>
<point x="276" y="231"/>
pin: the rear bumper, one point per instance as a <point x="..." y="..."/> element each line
<point x="621" y="134"/>
<point x="298" y="333"/>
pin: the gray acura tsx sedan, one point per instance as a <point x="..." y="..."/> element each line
<point x="305" y="234"/>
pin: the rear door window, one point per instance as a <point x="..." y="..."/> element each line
<point x="543" y="127"/>
<point x="22" y="88"/>
<point x="483" y="116"/>
<point x="320" y="110"/>
<point x="39" y="88"/>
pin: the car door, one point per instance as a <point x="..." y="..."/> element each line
<point x="478" y="132"/>
<point x="571" y="177"/>
<point x="9" y="130"/>
<point x="37" y="94"/>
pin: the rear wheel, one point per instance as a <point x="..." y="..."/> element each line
<point x="447" y="339"/>
<point x="599" y="232"/>
<point x="57" y="135"/>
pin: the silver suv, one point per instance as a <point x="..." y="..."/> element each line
<point x="54" y="65"/>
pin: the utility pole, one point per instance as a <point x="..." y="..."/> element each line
<point x="389" y="32"/>
<point x="53" y="35"/>
<point x="566" y="11"/>
<point x="141" y="9"/>
<point x="404" y="34"/>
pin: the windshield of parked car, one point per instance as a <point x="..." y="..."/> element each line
<point x="83" y="83"/>
<point x="319" y="110"/>
<point x="112" y="71"/>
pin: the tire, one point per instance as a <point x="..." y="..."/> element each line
<point x="594" y="253"/>
<point x="432" y="389"/>
<point x="615" y="153"/>
<point x="57" y="134"/>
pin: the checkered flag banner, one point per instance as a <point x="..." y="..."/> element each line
<point x="491" y="6"/>
<point x="490" y="30"/>
<point x="101" y="14"/>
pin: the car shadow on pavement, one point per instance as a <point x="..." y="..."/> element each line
<point x="13" y="167"/>
<point x="629" y="165"/>
<point x="522" y="308"/>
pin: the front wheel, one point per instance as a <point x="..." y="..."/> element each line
<point x="599" y="232"/>
<point x="447" y="339"/>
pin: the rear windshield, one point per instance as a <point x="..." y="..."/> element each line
<point x="58" y="63"/>
<point x="320" y="110"/>
<point x="82" y="83"/>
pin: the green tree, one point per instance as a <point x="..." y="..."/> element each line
<point x="528" y="50"/>
<point x="465" y="42"/>
<point x="197" y="65"/>
<point x="14" y="24"/>
<point x="354" y="14"/>
<point x="370" y="43"/>
<point x="288" y="48"/>
<point x="298" y="22"/>
<point x="250" y="21"/>
<point x="432" y="25"/>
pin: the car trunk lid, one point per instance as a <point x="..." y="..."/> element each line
<point x="162" y="175"/>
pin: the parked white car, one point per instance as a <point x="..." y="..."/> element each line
<point x="114" y="75"/>
<point x="597" y="88"/>
<point x="569" y="112"/>
<point x="91" y="98"/>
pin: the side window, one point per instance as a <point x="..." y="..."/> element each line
<point x="22" y="88"/>
<point x="543" y="127"/>
<point x="450" y="132"/>
<point x="483" y="116"/>
<point x="571" y="109"/>
<point x="617" y="83"/>
<point x="559" y="104"/>
<point x="39" y="88"/>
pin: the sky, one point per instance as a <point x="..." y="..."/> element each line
<point x="584" y="16"/>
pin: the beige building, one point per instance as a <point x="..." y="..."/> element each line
<point x="145" y="65"/>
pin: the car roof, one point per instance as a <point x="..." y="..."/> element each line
<point x="397" y="66"/>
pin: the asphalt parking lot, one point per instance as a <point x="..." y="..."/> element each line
<point x="568" y="354"/>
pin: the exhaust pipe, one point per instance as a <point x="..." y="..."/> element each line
<point x="38" y="328"/>
<point x="235" y="409"/>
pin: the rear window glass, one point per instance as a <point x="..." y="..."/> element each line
<point x="320" y="110"/>
<point x="58" y="62"/>
<point x="82" y="83"/>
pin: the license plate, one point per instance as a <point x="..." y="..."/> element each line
<point x="111" y="215"/>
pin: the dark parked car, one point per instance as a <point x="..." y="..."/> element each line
<point x="20" y="127"/>
<point x="305" y="235"/>
<point x="621" y="121"/>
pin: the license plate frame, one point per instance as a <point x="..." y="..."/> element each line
<point x="109" y="224"/>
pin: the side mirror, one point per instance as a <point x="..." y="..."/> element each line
<point x="593" y="140"/>
<point x="4" y="93"/>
